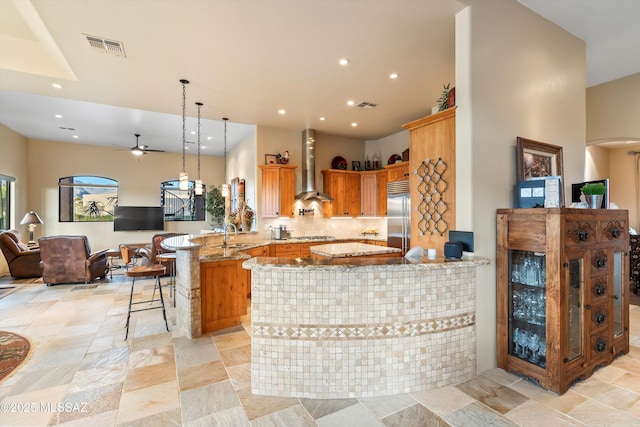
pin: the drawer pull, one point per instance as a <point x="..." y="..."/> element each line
<point x="601" y="345"/>
<point x="600" y="318"/>
<point x="615" y="232"/>
<point x="601" y="290"/>
<point x="583" y="236"/>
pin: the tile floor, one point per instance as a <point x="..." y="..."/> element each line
<point x="83" y="373"/>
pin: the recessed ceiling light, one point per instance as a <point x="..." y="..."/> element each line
<point x="56" y="85"/>
<point x="322" y="119"/>
<point x="209" y="137"/>
<point x="75" y="136"/>
<point x="393" y="75"/>
<point x="281" y="111"/>
<point x="343" y="62"/>
<point x="354" y="124"/>
<point x="193" y="132"/>
<point x="58" y="116"/>
<point x="351" y="103"/>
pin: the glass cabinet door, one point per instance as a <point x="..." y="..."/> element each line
<point x="576" y="308"/>
<point x="527" y="306"/>
<point x="618" y="265"/>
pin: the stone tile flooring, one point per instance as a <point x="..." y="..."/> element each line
<point x="82" y="373"/>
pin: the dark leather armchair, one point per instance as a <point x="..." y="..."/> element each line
<point x="68" y="259"/>
<point x="149" y="254"/>
<point x="22" y="261"/>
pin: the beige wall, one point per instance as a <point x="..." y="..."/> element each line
<point x="623" y="169"/>
<point x="138" y="179"/>
<point x="13" y="162"/>
<point x="385" y="147"/>
<point x="517" y="74"/>
<point x="596" y="164"/>
<point x="613" y="109"/>
<point x="241" y="163"/>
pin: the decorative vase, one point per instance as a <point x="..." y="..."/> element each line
<point x="594" y="201"/>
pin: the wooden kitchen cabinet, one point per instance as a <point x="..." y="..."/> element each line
<point x="344" y="187"/>
<point x="223" y="289"/>
<point x="562" y="297"/>
<point x="382" y="192"/>
<point x="255" y="252"/>
<point x="285" y="250"/>
<point x="432" y="178"/>
<point x="369" y="193"/>
<point x="397" y="171"/>
<point x="278" y="190"/>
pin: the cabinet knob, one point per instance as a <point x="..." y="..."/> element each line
<point x="601" y="345"/>
<point x="601" y="290"/>
<point x="615" y="232"/>
<point x="583" y="236"/>
<point x="600" y="318"/>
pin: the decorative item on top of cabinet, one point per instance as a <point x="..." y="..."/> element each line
<point x="562" y="298"/>
<point x="278" y="190"/>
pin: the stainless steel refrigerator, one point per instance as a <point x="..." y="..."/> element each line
<point x="398" y="215"/>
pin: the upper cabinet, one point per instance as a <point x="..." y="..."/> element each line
<point x="398" y="171"/>
<point x="344" y="187"/>
<point x="373" y="193"/>
<point x="432" y="178"/>
<point x="278" y="190"/>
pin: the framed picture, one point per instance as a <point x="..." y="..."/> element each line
<point x="270" y="159"/>
<point x="537" y="160"/>
<point x="355" y="165"/>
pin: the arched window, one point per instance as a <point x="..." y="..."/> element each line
<point x="87" y="198"/>
<point x="182" y="205"/>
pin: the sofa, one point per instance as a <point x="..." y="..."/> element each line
<point x="23" y="262"/>
<point x="68" y="259"/>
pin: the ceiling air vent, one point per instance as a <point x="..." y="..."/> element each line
<point x="110" y="47"/>
<point x="366" y="105"/>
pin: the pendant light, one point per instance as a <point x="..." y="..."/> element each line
<point x="199" y="181"/>
<point x="184" y="177"/>
<point x="225" y="187"/>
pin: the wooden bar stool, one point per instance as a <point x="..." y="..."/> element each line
<point x="156" y="271"/>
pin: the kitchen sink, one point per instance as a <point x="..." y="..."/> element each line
<point x="233" y="245"/>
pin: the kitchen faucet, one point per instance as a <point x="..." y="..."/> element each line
<point x="224" y="237"/>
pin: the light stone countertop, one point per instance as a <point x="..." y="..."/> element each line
<point x="371" y="263"/>
<point x="351" y="249"/>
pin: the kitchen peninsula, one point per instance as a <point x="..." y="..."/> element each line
<point x="343" y="327"/>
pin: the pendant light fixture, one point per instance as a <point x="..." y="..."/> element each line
<point x="184" y="177"/>
<point x="225" y="187"/>
<point x="199" y="181"/>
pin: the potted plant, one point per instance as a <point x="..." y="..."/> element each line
<point x="447" y="98"/>
<point x="215" y="207"/>
<point x="593" y="194"/>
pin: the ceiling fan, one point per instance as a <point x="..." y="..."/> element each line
<point x="139" y="150"/>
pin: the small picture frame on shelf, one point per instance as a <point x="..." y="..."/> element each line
<point x="270" y="159"/>
<point x="539" y="160"/>
<point x="355" y="165"/>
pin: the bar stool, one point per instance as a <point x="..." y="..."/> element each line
<point x="156" y="271"/>
<point x="169" y="259"/>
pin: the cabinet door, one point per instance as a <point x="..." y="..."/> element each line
<point x="527" y="306"/>
<point x="352" y="194"/>
<point x="577" y="301"/>
<point x="382" y="193"/>
<point x="223" y="294"/>
<point x="398" y="173"/>
<point x="270" y="193"/>
<point x="369" y="199"/>
<point x="335" y="186"/>
<point x="287" y="192"/>
<point x="620" y="309"/>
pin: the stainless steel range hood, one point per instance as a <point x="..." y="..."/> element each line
<point x="309" y="191"/>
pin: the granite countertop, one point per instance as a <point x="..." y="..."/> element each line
<point x="275" y="263"/>
<point x="211" y="247"/>
<point x="351" y="249"/>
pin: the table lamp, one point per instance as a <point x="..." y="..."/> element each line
<point x="31" y="219"/>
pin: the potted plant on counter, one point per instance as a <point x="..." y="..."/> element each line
<point x="593" y="194"/>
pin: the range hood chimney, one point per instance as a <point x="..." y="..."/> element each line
<point x="309" y="191"/>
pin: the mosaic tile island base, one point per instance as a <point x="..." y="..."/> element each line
<point x="373" y="327"/>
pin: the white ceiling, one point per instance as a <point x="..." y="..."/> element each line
<point x="247" y="59"/>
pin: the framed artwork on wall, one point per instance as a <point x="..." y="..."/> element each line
<point x="537" y="160"/>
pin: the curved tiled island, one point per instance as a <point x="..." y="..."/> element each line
<point x="340" y="327"/>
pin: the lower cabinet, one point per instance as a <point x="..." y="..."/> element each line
<point x="255" y="252"/>
<point x="223" y="289"/>
<point x="563" y="302"/>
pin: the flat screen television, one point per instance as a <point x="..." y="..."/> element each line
<point x="138" y="218"/>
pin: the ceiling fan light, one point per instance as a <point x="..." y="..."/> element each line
<point x="198" y="187"/>
<point x="137" y="151"/>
